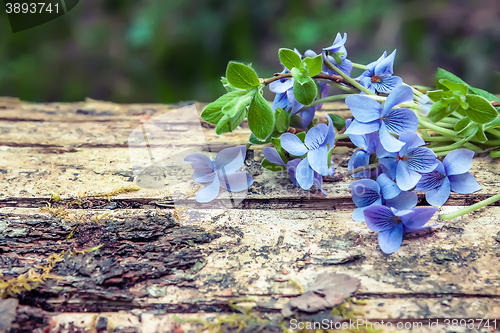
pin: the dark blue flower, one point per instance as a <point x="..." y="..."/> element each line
<point x="408" y="165"/>
<point x="391" y="224"/>
<point x="370" y="116"/>
<point x="319" y="140"/>
<point x="378" y="75"/>
<point x="338" y="48"/>
<point x="368" y="192"/>
<point x="221" y="172"/>
<point x="452" y="175"/>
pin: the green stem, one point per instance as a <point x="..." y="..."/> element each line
<point x="341" y="136"/>
<point x="360" y="66"/>
<point x="443" y="131"/>
<point x="435" y="138"/>
<point x="346" y="77"/>
<point x="337" y="85"/>
<point x="471" y="208"/>
<point x="324" y="100"/>
<point x="455" y="145"/>
<point x="494" y="132"/>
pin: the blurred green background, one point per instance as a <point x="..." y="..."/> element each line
<point x="173" y="50"/>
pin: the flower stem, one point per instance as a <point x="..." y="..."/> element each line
<point x="324" y="100"/>
<point x="471" y="208"/>
<point x="341" y="136"/>
<point x="443" y="131"/>
<point x="360" y="66"/>
<point x="455" y="145"/>
<point x="346" y="77"/>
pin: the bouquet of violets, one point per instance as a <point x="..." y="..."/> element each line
<point x="401" y="133"/>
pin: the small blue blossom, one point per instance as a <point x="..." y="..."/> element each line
<point x="272" y="156"/>
<point x="408" y="165"/>
<point x="338" y="47"/>
<point x="450" y="175"/>
<point x="383" y="191"/>
<point x="368" y="144"/>
<point x="221" y="172"/>
<point x="370" y="116"/>
<point x="378" y="75"/>
<point x="319" y="140"/>
<point x="391" y="224"/>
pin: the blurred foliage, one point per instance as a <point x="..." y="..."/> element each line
<point x="176" y="50"/>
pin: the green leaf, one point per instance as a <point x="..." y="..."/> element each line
<point x="256" y="141"/>
<point x="468" y="131"/>
<point x="301" y="136"/>
<point x="212" y="113"/>
<point x="234" y="112"/>
<point x="461" y="124"/>
<point x="260" y="117"/>
<point x="336" y="56"/>
<point x="241" y="76"/>
<point x="440" y="110"/>
<point x="338" y="121"/>
<point x="271" y="166"/>
<point x="453" y="86"/>
<point x="495" y="153"/>
<point x="276" y="142"/>
<point x="282" y="120"/>
<point x="229" y="87"/>
<point x="444" y="74"/>
<point x="289" y="58"/>
<point x="329" y="157"/>
<point x="493" y="123"/>
<point x="437" y="95"/>
<point x="480" y="136"/>
<point x="314" y="65"/>
<point x="305" y="92"/>
<point x="483" y="93"/>
<point x="299" y="76"/>
<point x="480" y="109"/>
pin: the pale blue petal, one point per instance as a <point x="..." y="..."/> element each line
<point x="401" y="120"/>
<point x="281" y="86"/>
<point x="199" y="161"/>
<point x="363" y="108"/>
<point x="389" y="142"/>
<point x="406" y="178"/>
<point x="272" y="156"/>
<point x="209" y="193"/>
<point x="316" y="136"/>
<point x="390" y="240"/>
<point x="388" y="187"/>
<point x="458" y="161"/>
<point x="280" y="101"/>
<point x="405" y="200"/>
<point x="203" y="176"/>
<point x="318" y="160"/>
<point x="345" y="66"/>
<point x="431" y="180"/>
<point x="236" y="182"/>
<point x="380" y="218"/>
<point x="359" y="141"/>
<point x="387" y="84"/>
<point x="337" y="43"/>
<point x="358" y="215"/>
<point x="397" y="96"/>
<point x="291" y="167"/>
<point x="330" y="138"/>
<point x="464" y="183"/>
<point x="418" y="216"/>
<point x="307" y="116"/>
<point x="389" y="166"/>
<point x="411" y="139"/>
<point x="358" y="159"/>
<point x="304" y="174"/>
<point x="385" y="66"/>
<point x="230" y="159"/>
<point x="421" y="159"/>
<point x="292" y="144"/>
<point x="362" y="128"/>
<point x="318" y="181"/>
<point x="439" y="195"/>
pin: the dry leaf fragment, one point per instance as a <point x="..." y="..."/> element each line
<point x="328" y="291"/>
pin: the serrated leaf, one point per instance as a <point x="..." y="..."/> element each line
<point x="480" y="109"/>
<point x="241" y="76"/>
<point x="461" y="124"/>
<point x="260" y="117"/>
<point x="444" y="74"/>
<point x="338" y="121"/>
<point x="271" y="166"/>
<point x="289" y="58"/>
<point x="282" y="120"/>
<point x="212" y="113"/>
<point x="314" y="65"/>
<point x="305" y="92"/>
